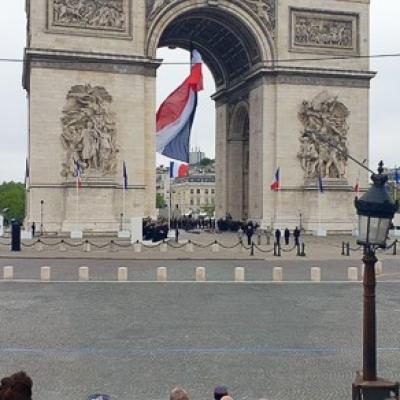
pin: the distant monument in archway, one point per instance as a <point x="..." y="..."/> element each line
<point x="288" y="80"/>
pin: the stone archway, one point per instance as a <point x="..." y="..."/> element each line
<point x="91" y="67"/>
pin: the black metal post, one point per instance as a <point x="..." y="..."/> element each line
<point x="369" y="324"/>
<point x="120" y="222"/>
<point x="252" y="249"/>
<point x="41" y="216"/>
<point x="348" y="249"/>
<point x="343" y="248"/>
<point x="395" y="248"/>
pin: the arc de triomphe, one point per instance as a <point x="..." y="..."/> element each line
<point x="288" y="77"/>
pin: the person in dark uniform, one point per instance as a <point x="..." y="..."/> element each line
<point x="249" y="232"/>
<point x="296" y="234"/>
<point x="278" y="235"/>
<point x="33" y="229"/>
<point x="287" y="236"/>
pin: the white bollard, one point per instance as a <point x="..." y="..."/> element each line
<point x="62" y="247"/>
<point x="45" y="273"/>
<point x="163" y="248"/>
<point x="215" y="248"/>
<point x="39" y="246"/>
<point x="352" y="274"/>
<point x="379" y="268"/>
<point x="162" y="274"/>
<point x="8" y="272"/>
<point x="315" y="274"/>
<point x="137" y="247"/>
<point x="86" y="247"/>
<point x="83" y="273"/>
<point x="239" y="274"/>
<point x="200" y="274"/>
<point x="277" y="274"/>
<point x="189" y="247"/>
<point x="122" y="274"/>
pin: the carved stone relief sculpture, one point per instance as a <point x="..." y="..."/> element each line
<point x="88" y="132"/>
<point x="323" y="143"/>
<point x="324" y="31"/>
<point x="265" y="9"/>
<point x="103" y="15"/>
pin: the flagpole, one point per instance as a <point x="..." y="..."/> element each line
<point x="77" y="202"/>
<point x="170" y="199"/>
<point x="123" y="206"/>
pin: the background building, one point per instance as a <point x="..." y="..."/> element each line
<point x="195" y="156"/>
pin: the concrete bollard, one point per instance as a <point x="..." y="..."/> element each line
<point x="86" y="247"/>
<point x="215" y="248"/>
<point x="162" y="274"/>
<point x="189" y="247"/>
<point x="315" y="274"/>
<point x="352" y="274"/>
<point x="163" y="248"/>
<point x="200" y="274"/>
<point x="83" y="273"/>
<point x="39" y="246"/>
<point x="45" y="273"/>
<point x="122" y="274"/>
<point x="62" y="247"/>
<point x="137" y="247"/>
<point x="8" y="272"/>
<point x="277" y="274"/>
<point x="239" y="274"/>
<point x="379" y="268"/>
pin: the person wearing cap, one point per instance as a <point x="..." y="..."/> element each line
<point x="220" y="392"/>
<point x="178" y="393"/>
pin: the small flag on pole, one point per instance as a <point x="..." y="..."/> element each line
<point x="276" y="184"/>
<point x="396" y="175"/>
<point x="178" y="169"/>
<point x="320" y="184"/>
<point x="78" y="174"/>
<point x="357" y="187"/>
<point x="125" y="176"/>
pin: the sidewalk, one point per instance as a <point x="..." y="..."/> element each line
<point x="229" y="248"/>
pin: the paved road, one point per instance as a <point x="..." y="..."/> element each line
<point x="179" y="270"/>
<point x="138" y="340"/>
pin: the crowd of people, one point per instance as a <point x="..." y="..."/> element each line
<point x="19" y="387"/>
<point x="155" y="231"/>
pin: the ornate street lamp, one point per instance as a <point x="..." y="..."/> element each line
<point x="375" y="211"/>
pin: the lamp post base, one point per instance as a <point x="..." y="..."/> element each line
<point x="381" y="389"/>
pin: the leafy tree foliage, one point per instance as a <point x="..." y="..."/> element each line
<point x="205" y="162"/>
<point x="12" y="196"/>
<point x="160" y="201"/>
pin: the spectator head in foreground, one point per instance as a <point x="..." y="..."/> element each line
<point x="16" y="387"/>
<point x="220" y="392"/>
<point x="177" y="394"/>
<point x="227" y="398"/>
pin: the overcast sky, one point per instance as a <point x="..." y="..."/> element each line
<point x="385" y="93"/>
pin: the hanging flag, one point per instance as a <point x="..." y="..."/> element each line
<point x="124" y="176"/>
<point x="357" y="187"/>
<point x="320" y="184"/>
<point x="78" y="175"/>
<point x="178" y="169"/>
<point x="276" y="184"/>
<point x="176" y="115"/>
<point x="396" y="175"/>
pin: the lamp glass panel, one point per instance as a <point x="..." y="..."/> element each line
<point x="378" y="231"/>
<point x="363" y="229"/>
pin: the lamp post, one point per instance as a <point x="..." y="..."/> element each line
<point x="41" y="216"/>
<point x="375" y="210"/>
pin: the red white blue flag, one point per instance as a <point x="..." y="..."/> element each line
<point x="276" y="184"/>
<point x="176" y="115"/>
<point x="178" y="169"/>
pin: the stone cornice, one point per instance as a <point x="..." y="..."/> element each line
<point x="87" y="61"/>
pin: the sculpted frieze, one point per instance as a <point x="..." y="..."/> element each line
<point x="100" y="15"/>
<point x="88" y="132"/>
<point x="323" y="141"/>
<point x="315" y="31"/>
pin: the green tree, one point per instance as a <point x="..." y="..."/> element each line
<point x="205" y="162"/>
<point x="12" y="196"/>
<point x="160" y="201"/>
<point x="209" y="209"/>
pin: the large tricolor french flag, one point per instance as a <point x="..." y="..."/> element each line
<point x="176" y="114"/>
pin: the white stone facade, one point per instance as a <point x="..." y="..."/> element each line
<point x="277" y="55"/>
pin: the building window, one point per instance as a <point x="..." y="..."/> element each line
<point x="212" y="191"/>
<point x="191" y="202"/>
<point x="198" y="191"/>
<point x="191" y="191"/>
<point x="206" y="191"/>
